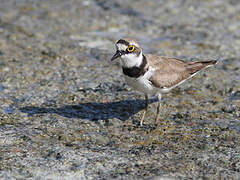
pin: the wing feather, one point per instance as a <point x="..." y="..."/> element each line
<point x="171" y="71"/>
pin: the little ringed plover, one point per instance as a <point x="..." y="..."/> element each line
<point x="154" y="74"/>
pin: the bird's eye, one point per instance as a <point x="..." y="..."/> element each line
<point x="130" y="48"/>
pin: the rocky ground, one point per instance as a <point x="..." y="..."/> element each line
<point x="66" y="112"/>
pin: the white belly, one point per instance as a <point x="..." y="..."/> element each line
<point x="140" y="84"/>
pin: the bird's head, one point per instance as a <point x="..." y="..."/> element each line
<point x="129" y="51"/>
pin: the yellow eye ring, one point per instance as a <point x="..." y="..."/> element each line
<point x="131" y="48"/>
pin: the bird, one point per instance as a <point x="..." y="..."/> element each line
<point x="153" y="74"/>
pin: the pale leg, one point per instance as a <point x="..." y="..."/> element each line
<point x="158" y="107"/>
<point x="145" y="110"/>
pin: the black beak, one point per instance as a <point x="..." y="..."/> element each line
<point x="116" y="55"/>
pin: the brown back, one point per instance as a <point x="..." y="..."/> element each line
<point x="171" y="71"/>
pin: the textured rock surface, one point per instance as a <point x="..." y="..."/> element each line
<point x="66" y="113"/>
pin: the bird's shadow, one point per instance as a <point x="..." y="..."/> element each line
<point x="93" y="111"/>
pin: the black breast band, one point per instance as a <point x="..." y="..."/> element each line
<point x="135" y="71"/>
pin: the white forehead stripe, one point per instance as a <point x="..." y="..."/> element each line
<point x="121" y="47"/>
<point x="133" y="43"/>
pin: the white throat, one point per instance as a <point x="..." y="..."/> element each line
<point x="131" y="60"/>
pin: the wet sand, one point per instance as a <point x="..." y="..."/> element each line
<point x="67" y="113"/>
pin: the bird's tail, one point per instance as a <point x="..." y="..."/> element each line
<point x="196" y="66"/>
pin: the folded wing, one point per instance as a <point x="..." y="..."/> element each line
<point x="172" y="71"/>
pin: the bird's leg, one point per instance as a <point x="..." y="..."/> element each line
<point x="158" y="107"/>
<point x="145" y="110"/>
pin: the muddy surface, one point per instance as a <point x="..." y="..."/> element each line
<point x="67" y="113"/>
